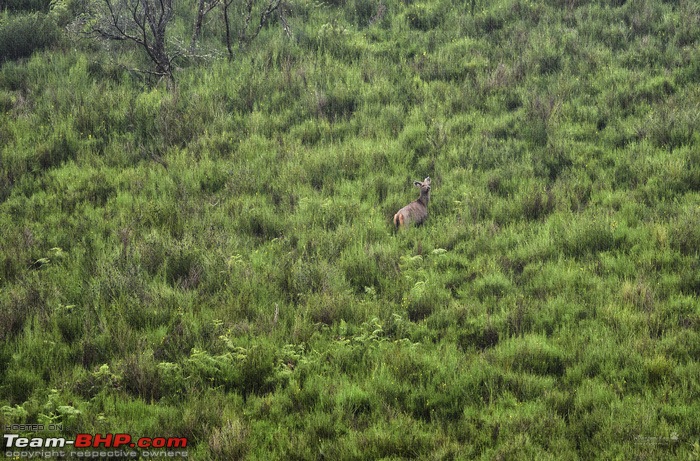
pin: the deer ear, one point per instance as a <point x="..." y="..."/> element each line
<point x="417" y="183"/>
<point x="427" y="180"/>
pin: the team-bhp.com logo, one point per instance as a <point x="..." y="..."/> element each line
<point x="118" y="445"/>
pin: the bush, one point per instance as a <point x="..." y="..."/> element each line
<point x="685" y="232"/>
<point x="261" y="222"/>
<point x="479" y="335"/>
<point x="531" y="354"/>
<point x="61" y="146"/>
<point x="537" y="203"/>
<point x="425" y="299"/>
<point x="227" y="238"/>
<point x="414" y="139"/>
<point x="25" y="5"/>
<point x="185" y="266"/>
<point x="141" y="376"/>
<point x="336" y="104"/>
<point x="550" y="163"/>
<point x="229" y="441"/>
<point x="361" y="269"/>
<point x="353" y="401"/>
<point x="424" y="17"/>
<point x="22" y="35"/>
<point x="328" y="309"/>
<point x="19" y="384"/>
<point x="591" y="237"/>
<point x="365" y="12"/>
<point x="495" y="285"/>
<point x="257" y="371"/>
<point x="672" y="125"/>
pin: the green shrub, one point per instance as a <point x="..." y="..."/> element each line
<point x="685" y="232"/>
<point x="206" y="410"/>
<point x="89" y="384"/>
<point x="260" y="222"/>
<point x="229" y="442"/>
<point x="336" y="104"/>
<point x="204" y="369"/>
<point x="414" y="139"/>
<point x="216" y="255"/>
<point x="152" y="253"/>
<point x="26" y="5"/>
<point x="70" y="323"/>
<point x="95" y="350"/>
<point x="531" y="354"/>
<point x="591" y="237"/>
<point x="19" y="384"/>
<point x="140" y="376"/>
<point x="671" y="125"/>
<point x="360" y="269"/>
<point x="60" y="146"/>
<point x="490" y="21"/>
<point x="490" y="286"/>
<point x="537" y="203"/>
<point x="424" y="299"/>
<point x="659" y="370"/>
<point x="185" y="266"/>
<point x="550" y="163"/>
<point x="478" y="335"/>
<point x="21" y="303"/>
<point x="403" y="437"/>
<point x="23" y="34"/>
<point x="354" y="402"/>
<point x="365" y="12"/>
<point x="329" y="309"/>
<point x="257" y="371"/>
<point x="425" y="17"/>
<point x="591" y="407"/>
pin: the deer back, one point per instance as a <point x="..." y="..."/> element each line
<point x="417" y="211"/>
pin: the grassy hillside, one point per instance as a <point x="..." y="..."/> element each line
<point x="215" y="259"/>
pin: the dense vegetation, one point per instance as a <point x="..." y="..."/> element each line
<point x="214" y="258"/>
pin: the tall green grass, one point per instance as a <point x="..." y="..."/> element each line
<point x="216" y="260"/>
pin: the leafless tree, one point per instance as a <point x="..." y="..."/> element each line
<point x="227" y="25"/>
<point x="248" y="32"/>
<point x="143" y="22"/>
<point x="203" y="8"/>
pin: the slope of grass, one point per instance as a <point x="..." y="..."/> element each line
<point x="216" y="260"/>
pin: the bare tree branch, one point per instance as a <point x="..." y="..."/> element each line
<point x="203" y="9"/>
<point x="283" y="10"/>
<point x="145" y="24"/>
<point x="227" y="24"/>
<point x="244" y="38"/>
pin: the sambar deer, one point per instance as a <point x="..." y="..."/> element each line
<point x="417" y="211"/>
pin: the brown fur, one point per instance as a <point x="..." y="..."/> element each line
<point x="415" y="212"/>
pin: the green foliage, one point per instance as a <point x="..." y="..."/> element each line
<point x="424" y="17"/>
<point x="531" y="354"/>
<point x="214" y="258"/>
<point x="26" y="5"/>
<point x="23" y="34"/>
